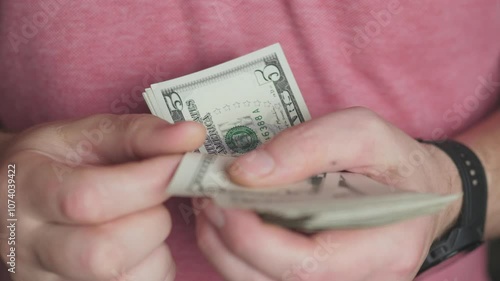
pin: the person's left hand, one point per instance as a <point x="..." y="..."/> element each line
<point x="241" y="247"/>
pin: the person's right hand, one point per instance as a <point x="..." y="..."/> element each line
<point x="89" y="197"/>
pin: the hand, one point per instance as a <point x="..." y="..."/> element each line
<point x="242" y="247"/>
<point x="89" y="197"/>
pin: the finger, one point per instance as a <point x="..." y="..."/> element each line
<point x="119" y="138"/>
<point x="100" y="252"/>
<point x="226" y="263"/>
<point x="343" y="140"/>
<point x="375" y="248"/>
<point x="158" y="266"/>
<point x="99" y="194"/>
<point x="269" y="249"/>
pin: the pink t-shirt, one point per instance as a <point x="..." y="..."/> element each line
<point x="430" y="67"/>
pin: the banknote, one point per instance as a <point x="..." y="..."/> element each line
<point x="242" y="103"/>
<point x="325" y="201"/>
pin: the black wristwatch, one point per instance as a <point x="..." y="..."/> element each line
<point x="468" y="233"/>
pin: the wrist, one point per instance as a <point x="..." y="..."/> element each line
<point x="468" y="232"/>
<point x="449" y="183"/>
<point x="486" y="152"/>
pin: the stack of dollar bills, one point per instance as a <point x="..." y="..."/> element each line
<point x="244" y="103"/>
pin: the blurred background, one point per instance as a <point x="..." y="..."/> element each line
<point x="494" y="261"/>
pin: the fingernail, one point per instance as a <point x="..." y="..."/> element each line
<point x="215" y="215"/>
<point x="256" y="163"/>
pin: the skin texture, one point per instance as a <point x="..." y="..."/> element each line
<point x="91" y="196"/>
<point x="241" y="247"/>
<point x="85" y="219"/>
<point x="484" y="139"/>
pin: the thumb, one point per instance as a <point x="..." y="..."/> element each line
<point x="122" y="138"/>
<point x="345" y="140"/>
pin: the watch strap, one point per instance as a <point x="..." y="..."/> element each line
<point x="468" y="233"/>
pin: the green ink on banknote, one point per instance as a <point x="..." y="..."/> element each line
<point x="241" y="139"/>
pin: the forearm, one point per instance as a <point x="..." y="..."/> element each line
<point x="484" y="140"/>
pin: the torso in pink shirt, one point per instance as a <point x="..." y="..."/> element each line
<point x="427" y="66"/>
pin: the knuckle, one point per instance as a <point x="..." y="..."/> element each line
<point x="172" y="272"/>
<point x="94" y="121"/>
<point x="241" y="245"/>
<point x="304" y="143"/>
<point x="131" y="126"/>
<point x="166" y="221"/>
<point x="81" y="204"/>
<point x="161" y="221"/>
<point x="133" y="123"/>
<point x="368" y="120"/>
<point x="203" y="240"/>
<point x="102" y="259"/>
<point x="169" y="263"/>
<point x="372" y="128"/>
<point x="302" y="131"/>
<point x="360" y="110"/>
<point x="305" y="140"/>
